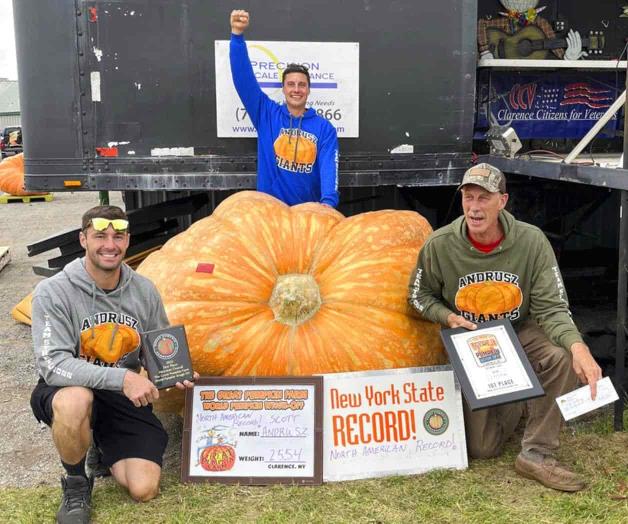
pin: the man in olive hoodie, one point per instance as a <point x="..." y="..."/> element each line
<point x="86" y="329"/>
<point x="477" y="253"/>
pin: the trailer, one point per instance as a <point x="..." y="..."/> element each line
<point x="133" y="96"/>
<point x="130" y="92"/>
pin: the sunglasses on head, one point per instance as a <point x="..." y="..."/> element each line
<point x="118" y="224"/>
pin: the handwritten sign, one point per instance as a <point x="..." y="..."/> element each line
<point x="392" y="422"/>
<point x="253" y="430"/>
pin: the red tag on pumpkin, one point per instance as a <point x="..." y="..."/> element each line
<point x="205" y="268"/>
<point x="107" y="151"/>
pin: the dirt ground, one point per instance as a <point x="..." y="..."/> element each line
<point x="27" y="456"/>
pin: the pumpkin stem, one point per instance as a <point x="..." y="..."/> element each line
<point x="295" y="299"/>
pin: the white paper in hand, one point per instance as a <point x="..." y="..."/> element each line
<point x="579" y="401"/>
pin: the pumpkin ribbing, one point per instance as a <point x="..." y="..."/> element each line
<point x="295" y="290"/>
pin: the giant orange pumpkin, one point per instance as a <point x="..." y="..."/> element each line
<point x="267" y="289"/>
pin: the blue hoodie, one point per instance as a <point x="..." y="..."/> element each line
<point x="297" y="157"/>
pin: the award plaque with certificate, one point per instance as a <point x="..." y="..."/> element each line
<point x="166" y="356"/>
<point x="253" y="431"/>
<point x="491" y="365"/>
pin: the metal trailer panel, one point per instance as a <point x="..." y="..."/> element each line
<point x="45" y="37"/>
<point x="417" y="83"/>
<point x="580" y="174"/>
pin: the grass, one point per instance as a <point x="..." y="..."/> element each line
<point x="488" y="492"/>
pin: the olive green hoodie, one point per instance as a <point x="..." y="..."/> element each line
<point x="519" y="279"/>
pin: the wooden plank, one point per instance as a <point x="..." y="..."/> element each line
<point x="13" y="199"/>
<point x="133" y="259"/>
<point x="43" y="271"/>
<point x="5" y="256"/>
<point x="136" y="260"/>
<point x="140" y="220"/>
<point x="51" y="242"/>
<point x="170" y="208"/>
<point x="159" y="225"/>
<point x="148" y="243"/>
<point x="136" y="232"/>
<point x="61" y="261"/>
<point x="138" y="244"/>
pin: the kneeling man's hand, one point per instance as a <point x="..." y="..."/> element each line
<point x="455" y="321"/>
<point x="139" y="389"/>
<point x="187" y="383"/>
<point x="585" y="366"/>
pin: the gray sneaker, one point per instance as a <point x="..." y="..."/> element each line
<point x="93" y="463"/>
<point x="77" y="498"/>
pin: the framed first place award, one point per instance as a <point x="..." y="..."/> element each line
<point x="491" y="365"/>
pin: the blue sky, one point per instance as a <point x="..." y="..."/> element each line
<point x="8" y="65"/>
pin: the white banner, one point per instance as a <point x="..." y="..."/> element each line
<point x="334" y="82"/>
<point x="392" y="422"/>
<point x="252" y="431"/>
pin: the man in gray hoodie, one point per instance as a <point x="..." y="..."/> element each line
<point x="87" y="321"/>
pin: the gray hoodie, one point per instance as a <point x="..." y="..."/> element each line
<point x="86" y="337"/>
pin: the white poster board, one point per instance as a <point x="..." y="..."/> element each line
<point x="334" y="82"/>
<point x="392" y="422"/>
<point x="252" y="430"/>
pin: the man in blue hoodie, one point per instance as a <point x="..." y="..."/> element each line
<point x="297" y="150"/>
<point x="87" y="321"/>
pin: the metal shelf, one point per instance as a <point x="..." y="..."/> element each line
<point x="508" y="63"/>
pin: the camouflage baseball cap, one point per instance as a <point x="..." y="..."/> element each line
<point x="485" y="176"/>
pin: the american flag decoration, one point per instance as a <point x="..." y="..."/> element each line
<point x="582" y="93"/>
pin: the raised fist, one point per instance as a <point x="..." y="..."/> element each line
<point x="239" y="21"/>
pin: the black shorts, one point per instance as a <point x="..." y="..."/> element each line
<point x="120" y="429"/>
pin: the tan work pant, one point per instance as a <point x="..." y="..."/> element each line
<point x="488" y="429"/>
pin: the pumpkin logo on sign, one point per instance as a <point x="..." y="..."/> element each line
<point x="436" y="421"/>
<point x="165" y="346"/>
<point x="218" y="458"/>
<point x="215" y="450"/>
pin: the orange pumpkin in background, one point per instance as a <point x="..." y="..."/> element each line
<point x="489" y="298"/>
<point x="12" y="176"/>
<point x="267" y="289"/>
<point x="285" y="146"/>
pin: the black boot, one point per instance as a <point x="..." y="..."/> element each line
<point x="77" y="498"/>
<point x="93" y="463"/>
